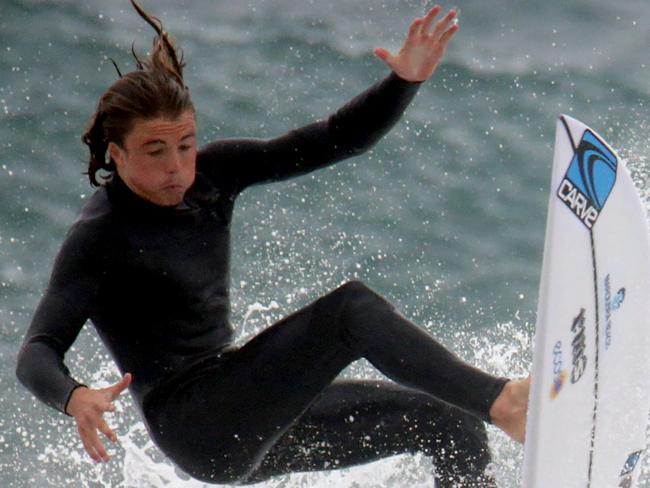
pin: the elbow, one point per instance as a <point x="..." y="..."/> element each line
<point x="21" y="366"/>
<point x="360" y="146"/>
<point x="360" y="139"/>
<point x="25" y="361"/>
<point x="351" y="140"/>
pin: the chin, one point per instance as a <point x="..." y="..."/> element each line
<point x="171" y="202"/>
<point x="166" y="199"/>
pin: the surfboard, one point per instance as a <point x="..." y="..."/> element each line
<point x="590" y="392"/>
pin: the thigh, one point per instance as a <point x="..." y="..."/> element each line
<point x="218" y="422"/>
<point x="355" y="422"/>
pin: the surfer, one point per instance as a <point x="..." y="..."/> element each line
<point x="147" y="262"/>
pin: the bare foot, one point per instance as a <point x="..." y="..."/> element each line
<point x="508" y="412"/>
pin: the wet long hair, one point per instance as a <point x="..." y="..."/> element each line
<point x="155" y="89"/>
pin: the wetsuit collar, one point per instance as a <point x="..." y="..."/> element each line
<point x="122" y="195"/>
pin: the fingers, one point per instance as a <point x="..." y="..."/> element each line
<point x="89" y="444"/>
<point x="91" y="441"/>
<point x="114" y="391"/>
<point x="448" y="34"/>
<point x="88" y="428"/>
<point x="415" y="28"/>
<point x="443" y="25"/>
<point x="428" y="18"/>
<point x="107" y="431"/>
<point x="89" y="410"/>
<point x="422" y="25"/>
<point x="383" y="54"/>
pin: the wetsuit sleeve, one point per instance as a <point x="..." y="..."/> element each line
<point x="59" y="317"/>
<point x="351" y="130"/>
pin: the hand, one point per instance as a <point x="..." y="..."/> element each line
<point x="424" y="47"/>
<point x="88" y="406"/>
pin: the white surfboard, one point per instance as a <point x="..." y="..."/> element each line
<point x="590" y="393"/>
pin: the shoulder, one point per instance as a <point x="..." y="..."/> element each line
<point x="97" y="212"/>
<point x="226" y="152"/>
<point x="98" y="207"/>
<point x="89" y="246"/>
<point x="227" y="148"/>
<point x="95" y="223"/>
<point x="222" y="161"/>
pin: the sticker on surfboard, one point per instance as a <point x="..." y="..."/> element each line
<point x="589" y="179"/>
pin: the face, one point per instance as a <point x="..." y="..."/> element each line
<point x="158" y="158"/>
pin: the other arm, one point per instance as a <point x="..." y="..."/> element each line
<point x="350" y="131"/>
<point x="57" y="321"/>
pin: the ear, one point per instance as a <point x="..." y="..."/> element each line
<point x="117" y="154"/>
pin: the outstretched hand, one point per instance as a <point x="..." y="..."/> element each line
<point x="88" y="407"/>
<point x="424" y="46"/>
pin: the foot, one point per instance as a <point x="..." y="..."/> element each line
<point x="508" y="412"/>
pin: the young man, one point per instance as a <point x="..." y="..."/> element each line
<point x="147" y="262"/>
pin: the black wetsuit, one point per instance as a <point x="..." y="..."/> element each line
<point x="154" y="282"/>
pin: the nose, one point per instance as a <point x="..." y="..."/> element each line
<point x="174" y="163"/>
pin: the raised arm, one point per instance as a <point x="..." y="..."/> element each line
<point x="349" y="131"/>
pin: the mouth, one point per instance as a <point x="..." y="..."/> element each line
<point x="174" y="187"/>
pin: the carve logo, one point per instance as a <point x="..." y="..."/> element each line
<point x="589" y="179"/>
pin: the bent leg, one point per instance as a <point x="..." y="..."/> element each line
<point x="410" y="356"/>
<point x="219" y="422"/>
<point x="356" y="422"/>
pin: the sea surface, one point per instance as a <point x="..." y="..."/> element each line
<point x="445" y="216"/>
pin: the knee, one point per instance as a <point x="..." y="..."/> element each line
<point x="348" y="307"/>
<point x="358" y="302"/>
<point x="355" y="289"/>
<point x="358" y="297"/>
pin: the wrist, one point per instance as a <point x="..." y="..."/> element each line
<point x="405" y="78"/>
<point x="70" y="405"/>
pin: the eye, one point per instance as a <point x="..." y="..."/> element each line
<point x="157" y="152"/>
<point x="185" y="148"/>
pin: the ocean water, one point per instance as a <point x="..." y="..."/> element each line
<point x="445" y="216"/>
